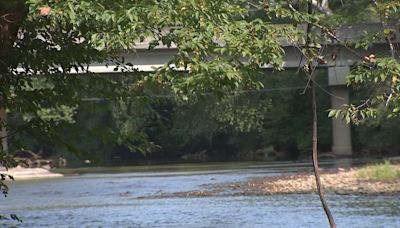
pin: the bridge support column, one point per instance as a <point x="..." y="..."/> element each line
<point x="341" y="132"/>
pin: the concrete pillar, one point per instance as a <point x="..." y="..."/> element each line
<point x="341" y="142"/>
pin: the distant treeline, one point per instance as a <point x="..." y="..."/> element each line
<point x="273" y="122"/>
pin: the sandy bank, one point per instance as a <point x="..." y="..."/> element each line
<point x="20" y="173"/>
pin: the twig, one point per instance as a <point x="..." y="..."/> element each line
<point x="332" y="35"/>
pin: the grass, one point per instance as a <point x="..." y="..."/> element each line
<point x="380" y="172"/>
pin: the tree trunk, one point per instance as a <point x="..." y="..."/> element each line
<point x="311" y="74"/>
<point x="12" y="12"/>
<point x="3" y="123"/>
<point x="315" y="155"/>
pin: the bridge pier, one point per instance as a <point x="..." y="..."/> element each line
<point x="341" y="131"/>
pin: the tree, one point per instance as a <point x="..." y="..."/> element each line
<point x="219" y="44"/>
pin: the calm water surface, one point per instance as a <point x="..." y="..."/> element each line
<point x="122" y="197"/>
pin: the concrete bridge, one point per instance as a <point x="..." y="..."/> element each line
<point x="339" y="61"/>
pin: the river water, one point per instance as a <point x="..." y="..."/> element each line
<point x="125" y="197"/>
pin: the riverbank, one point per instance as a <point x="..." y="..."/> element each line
<point x="20" y="173"/>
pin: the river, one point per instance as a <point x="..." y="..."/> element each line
<point x="129" y="197"/>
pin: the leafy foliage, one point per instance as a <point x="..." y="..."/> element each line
<point x="220" y="44"/>
<point x="41" y="89"/>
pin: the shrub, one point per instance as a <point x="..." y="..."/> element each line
<point x="381" y="172"/>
